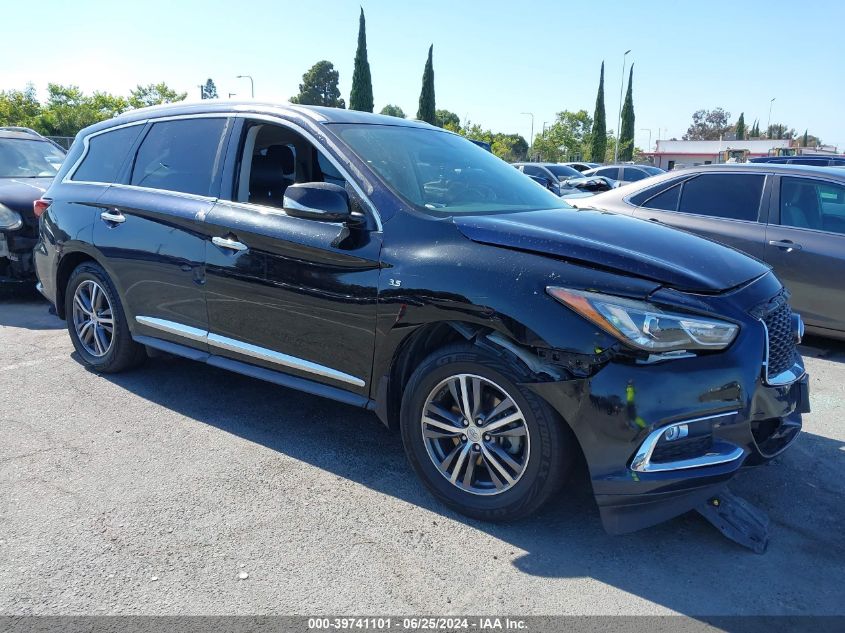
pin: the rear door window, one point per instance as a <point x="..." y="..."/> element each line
<point x="182" y="155"/>
<point x="632" y="175"/>
<point x="106" y="154"/>
<point x="812" y="204"/>
<point x="732" y="196"/>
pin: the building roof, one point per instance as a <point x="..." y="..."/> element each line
<point x="755" y="146"/>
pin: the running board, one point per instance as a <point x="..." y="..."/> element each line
<point x="737" y="519"/>
<point x="254" y="371"/>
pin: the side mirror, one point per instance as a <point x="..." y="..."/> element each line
<point x="317" y="201"/>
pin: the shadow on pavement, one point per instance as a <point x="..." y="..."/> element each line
<point x="824" y="348"/>
<point x="684" y="565"/>
<point x="25" y="308"/>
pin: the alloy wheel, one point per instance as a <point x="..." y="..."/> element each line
<point x="475" y="434"/>
<point x="93" y="319"/>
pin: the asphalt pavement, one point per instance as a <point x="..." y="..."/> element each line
<point x="179" y="488"/>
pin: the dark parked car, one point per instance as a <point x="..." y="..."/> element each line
<point x="28" y="162"/>
<point x="791" y="217"/>
<point x="625" y="173"/>
<point x="820" y="160"/>
<point x="552" y="175"/>
<point x="582" y="166"/>
<point x="398" y="267"/>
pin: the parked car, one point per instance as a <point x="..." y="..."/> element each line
<point x="820" y="160"/>
<point x="28" y="162"/>
<point x="789" y="216"/>
<point x="398" y="267"/>
<point x="552" y="176"/>
<point x="582" y="166"/>
<point x="625" y="173"/>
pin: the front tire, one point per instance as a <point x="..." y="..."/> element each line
<point x="96" y="322"/>
<point x="481" y="443"/>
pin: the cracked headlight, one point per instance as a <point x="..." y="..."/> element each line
<point x="9" y="220"/>
<point x="644" y="326"/>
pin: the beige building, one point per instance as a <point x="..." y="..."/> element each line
<point x="671" y="154"/>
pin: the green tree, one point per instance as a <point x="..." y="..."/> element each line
<point x="426" y="111"/>
<point x="598" y="135"/>
<point x="20" y="108"/>
<point x="449" y="120"/>
<point x="68" y="110"/>
<point x="780" y="131"/>
<point x="626" y="131"/>
<point x="154" y="94"/>
<point x="740" y="127"/>
<point x="361" y="97"/>
<point x="319" y="86"/>
<point x="393" y="110"/>
<point x="509" y="147"/>
<point x="567" y="138"/>
<point x="708" y="125"/>
<point x="805" y="139"/>
<point x="209" y="90"/>
<point x="755" y="129"/>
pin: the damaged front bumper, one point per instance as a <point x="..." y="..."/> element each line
<point x="663" y="439"/>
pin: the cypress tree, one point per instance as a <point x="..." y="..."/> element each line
<point x="598" y="135"/>
<point x="806" y="139"/>
<point x="361" y="97"/>
<point x="740" y="127"/>
<point x="755" y="129"/>
<point x="426" y="109"/>
<point x="626" y="131"/>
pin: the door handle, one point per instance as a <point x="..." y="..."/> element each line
<point x="787" y="245"/>
<point x="113" y="216"/>
<point x="224" y="242"/>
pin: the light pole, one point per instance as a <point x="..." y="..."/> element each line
<point x="769" y="124"/>
<point x="233" y="94"/>
<point x="531" y="114"/>
<point x="619" y="118"/>
<point x="251" y="84"/>
<point x="202" y="91"/>
<point x="647" y="129"/>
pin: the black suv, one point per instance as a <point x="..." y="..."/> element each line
<point x="398" y="267"/>
<point x="28" y="163"/>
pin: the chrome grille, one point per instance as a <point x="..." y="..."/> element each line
<point x="781" y="339"/>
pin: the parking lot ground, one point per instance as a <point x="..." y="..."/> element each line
<point x="151" y="492"/>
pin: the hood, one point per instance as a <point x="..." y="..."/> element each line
<point x="618" y="243"/>
<point x="19" y="193"/>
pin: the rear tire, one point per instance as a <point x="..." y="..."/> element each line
<point x="96" y="322"/>
<point x="487" y="468"/>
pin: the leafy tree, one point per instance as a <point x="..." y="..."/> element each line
<point x="20" y="107"/>
<point x="509" y="147"/>
<point x="426" y="110"/>
<point x="209" y="90"/>
<point x="626" y="131"/>
<point x="449" y="120"/>
<point x="154" y="94"/>
<point x="598" y="135"/>
<point x="780" y="131"/>
<point x="708" y="125"/>
<point x="393" y="110"/>
<point x="361" y="97"/>
<point x="568" y="137"/>
<point x="68" y="110"/>
<point x="319" y="86"/>
<point x="740" y="127"/>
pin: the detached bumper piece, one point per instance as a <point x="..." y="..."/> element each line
<point x="738" y="520"/>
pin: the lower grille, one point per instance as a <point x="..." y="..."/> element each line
<point x="781" y="339"/>
<point x="686" y="448"/>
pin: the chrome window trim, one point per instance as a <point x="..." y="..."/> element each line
<point x="240" y="347"/>
<point x="642" y="460"/>
<point x="86" y="141"/>
<point x="270" y="118"/>
<point x="180" y="194"/>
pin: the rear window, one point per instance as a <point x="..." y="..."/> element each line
<point x="182" y="155"/>
<point x="734" y="196"/>
<point x="106" y="153"/>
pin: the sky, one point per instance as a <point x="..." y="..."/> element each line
<point x="493" y="59"/>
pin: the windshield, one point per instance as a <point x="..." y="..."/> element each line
<point x="654" y="171"/>
<point x="563" y="171"/>
<point x="443" y="172"/>
<point x="25" y="158"/>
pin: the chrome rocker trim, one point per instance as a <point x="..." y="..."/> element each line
<point x="642" y="460"/>
<point x="254" y="351"/>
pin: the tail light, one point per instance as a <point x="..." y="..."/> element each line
<point x="40" y="206"/>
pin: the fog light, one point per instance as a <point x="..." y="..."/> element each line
<point x="676" y="432"/>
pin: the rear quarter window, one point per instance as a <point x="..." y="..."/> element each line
<point x="106" y="153"/>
